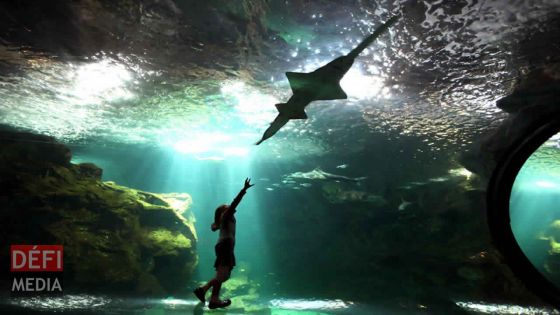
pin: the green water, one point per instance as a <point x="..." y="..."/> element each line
<point x="310" y="245"/>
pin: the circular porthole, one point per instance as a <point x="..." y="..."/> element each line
<point x="524" y="208"/>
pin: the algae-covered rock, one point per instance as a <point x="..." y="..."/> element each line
<point x="244" y="293"/>
<point x="179" y="201"/>
<point x="90" y="170"/>
<point x="550" y="245"/>
<point x="116" y="239"/>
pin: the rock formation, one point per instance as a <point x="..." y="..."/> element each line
<point x="116" y="239"/>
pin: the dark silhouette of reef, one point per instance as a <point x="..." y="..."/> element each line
<point x="532" y="103"/>
<point x="116" y="239"/>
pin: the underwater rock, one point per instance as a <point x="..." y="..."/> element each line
<point x="438" y="247"/>
<point x="538" y="86"/>
<point x="245" y="293"/>
<point x="116" y="239"/>
<point x="179" y="201"/>
<point x="528" y="106"/>
<point x="43" y="149"/>
<point x="550" y="244"/>
<point x="499" y="282"/>
<point x="470" y="273"/>
<point x="90" y="170"/>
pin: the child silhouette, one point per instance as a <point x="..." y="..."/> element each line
<point x="224" y="220"/>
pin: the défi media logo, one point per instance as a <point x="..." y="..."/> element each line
<point x="36" y="269"/>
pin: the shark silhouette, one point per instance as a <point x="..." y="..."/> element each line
<point x="321" y="84"/>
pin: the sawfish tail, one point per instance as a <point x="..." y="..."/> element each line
<point x="278" y="123"/>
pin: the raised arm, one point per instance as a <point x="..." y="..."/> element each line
<point x="232" y="207"/>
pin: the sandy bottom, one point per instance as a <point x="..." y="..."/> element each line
<point x="90" y="304"/>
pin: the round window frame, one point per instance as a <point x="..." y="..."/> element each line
<point x="498" y="211"/>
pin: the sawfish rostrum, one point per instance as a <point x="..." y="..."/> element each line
<point x="322" y="84"/>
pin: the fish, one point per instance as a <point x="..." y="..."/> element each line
<point x="404" y="204"/>
<point x="438" y="179"/>
<point x="335" y="193"/>
<point x="319" y="85"/>
<point x="343" y="166"/>
<point x="319" y="174"/>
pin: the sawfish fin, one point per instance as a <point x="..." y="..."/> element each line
<point x="332" y="92"/>
<point x="314" y="84"/>
<point x="300" y="81"/>
<point x="297" y="115"/>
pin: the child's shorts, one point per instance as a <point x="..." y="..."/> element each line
<point x="224" y="254"/>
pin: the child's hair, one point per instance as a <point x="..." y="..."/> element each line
<point x="217" y="217"/>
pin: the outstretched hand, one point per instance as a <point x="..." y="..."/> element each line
<point x="248" y="184"/>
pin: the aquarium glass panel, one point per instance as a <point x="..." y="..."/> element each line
<point x="535" y="209"/>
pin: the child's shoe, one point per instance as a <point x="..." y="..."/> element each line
<point x="219" y="304"/>
<point x="199" y="292"/>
